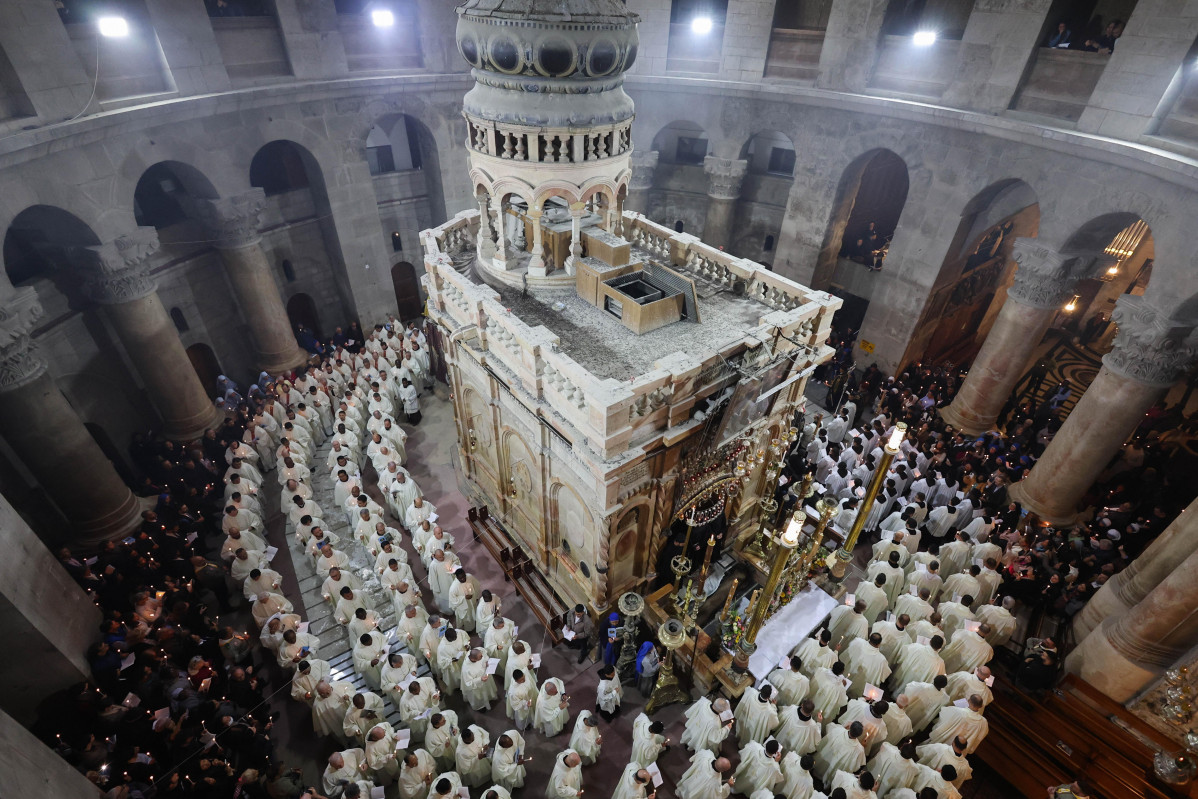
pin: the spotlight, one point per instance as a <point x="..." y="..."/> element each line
<point x="701" y="25"/>
<point x="924" y="38"/>
<point x="113" y="27"/>
<point x="382" y="18"/>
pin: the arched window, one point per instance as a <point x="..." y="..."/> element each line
<point x="678" y="226"/>
<point x="288" y="271"/>
<point x="769" y="244"/>
<point x="180" y="320"/>
<point x="396" y="241"/>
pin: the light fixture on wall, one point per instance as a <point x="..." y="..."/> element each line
<point x="472" y="439"/>
<point x="1071" y="306"/>
<point x="1113" y="269"/>
<point x="924" y="38"/>
<point x="113" y="27"/>
<point x="512" y="491"/>
<point x="382" y="18"/>
<point x="701" y="25"/>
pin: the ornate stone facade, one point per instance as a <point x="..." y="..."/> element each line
<point x="1149" y="347"/>
<point x="1045" y="277"/>
<point x="120" y="269"/>
<point x="19" y="362"/>
<point x="725" y="177"/>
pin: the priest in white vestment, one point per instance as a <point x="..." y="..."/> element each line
<point x="586" y="740"/>
<point x="472" y="763"/>
<point x="441" y="738"/>
<point x="829" y="692"/>
<point x="381" y="757"/>
<point x="965" y="723"/>
<point x="507" y="763"/>
<point x="865" y="664"/>
<point x="329" y="706"/>
<point x="707" y="725"/>
<point x="419" y="702"/>
<point x="790" y="684"/>
<point x="894" y="767"/>
<point x="917" y="662"/>
<point x="798" y="730"/>
<point x="478" y="687"/>
<point x="840" y="750"/>
<point x="924" y="701"/>
<point x="873" y="726"/>
<point x="648" y="740"/>
<point x="521" y="699"/>
<point x="847" y="623"/>
<point x="759" y="768"/>
<point x="566" y="780"/>
<point x="635" y="783"/>
<point x="704" y="779"/>
<point x="417" y="773"/>
<point x="816" y="653"/>
<point x="370" y="653"/>
<point x="968" y="650"/>
<point x="552" y="709"/>
<point x="365" y="710"/>
<point x="756" y="715"/>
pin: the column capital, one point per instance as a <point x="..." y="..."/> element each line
<point x="725" y="176"/>
<point x="120" y="269"/>
<point x="1045" y="277"/>
<point x="1149" y="346"/>
<point x="232" y="221"/>
<point x="19" y="362"/>
<point x="643" y="164"/>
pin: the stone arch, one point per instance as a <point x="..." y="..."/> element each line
<point x="423" y="154"/>
<point x="573" y="521"/>
<point x="557" y="188"/>
<point x="160" y="195"/>
<point x="680" y="142"/>
<point x="476" y="409"/>
<point x="41" y="243"/>
<point x="881" y="173"/>
<point x="512" y="463"/>
<point x="972" y="282"/>
<point x="214" y="166"/>
<point x="628" y="536"/>
<point x="1128" y="247"/>
<point x="759" y="152"/>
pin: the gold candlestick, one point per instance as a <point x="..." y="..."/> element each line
<point x="786" y="543"/>
<point x="728" y="601"/>
<point x="845" y="553"/>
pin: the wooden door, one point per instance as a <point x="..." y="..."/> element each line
<point x="407" y="291"/>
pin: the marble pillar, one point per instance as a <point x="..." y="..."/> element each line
<point x="233" y="223"/>
<point x="577" y="211"/>
<point x="502" y="249"/>
<point x="1128" y="587"/>
<point x="536" y="264"/>
<point x="1127" y="653"/>
<point x="724" y="179"/>
<point x="644" y="165"/>
<point x="1043" y="282"/>
<point x="1150" y="353"/>
<point x="486" y="243"/>
<point x="119" y="280"/>
<point x="49" y="437"/>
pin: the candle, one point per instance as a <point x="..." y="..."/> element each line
<point x="728" y="601"/>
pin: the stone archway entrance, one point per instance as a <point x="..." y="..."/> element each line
<point x="204" y="361"/>
<point x="301" y="310"/>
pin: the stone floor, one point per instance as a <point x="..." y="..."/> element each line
<point x="432" y="453"/>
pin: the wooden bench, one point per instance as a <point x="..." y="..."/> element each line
<point x="1071" y="731"/>
<point x="519" y="569"/>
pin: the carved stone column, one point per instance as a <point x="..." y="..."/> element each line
<point x="49" y="437"/>
<point x="1044" y="280"/>
<point x="724" y="179"/>
<point x="233" y="222"/>
<point x="501" y="242"/>
<point x="536" y="265"/>
<point x="486" y="246"/>
<point x="644" y="166"/>
<point x="577" y="211"/>
<point x="1146" y="572"/>
<point x="1128" y="652"/>
<point x="1151" y="352"/>
<point x="119" y="279"/>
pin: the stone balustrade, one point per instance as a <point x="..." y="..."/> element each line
<point x="537" y="145"/>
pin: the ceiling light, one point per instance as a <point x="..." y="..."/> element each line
<point x="701" y="25"/>
<point x="382" y="18"/>
<point x="114" y="27"/>
<point x="924" y="38"/>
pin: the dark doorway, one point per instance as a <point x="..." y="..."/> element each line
<point x="301" y="310"/>
<point x="407" y="290"/>
<point x="203" y="360"/>
<point x="104" y="441"/>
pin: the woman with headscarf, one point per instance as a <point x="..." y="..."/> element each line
<point x="648" y="662"/>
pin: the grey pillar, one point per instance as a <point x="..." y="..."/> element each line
<point x="643" y="164"/>
<point x="999" y="39"/>
<point x="36" y="43"/>
<point x="119" y="280"/>
<point x="850" y="44"/>
<point x="746" y="39"/>
<point x="725" y="176"/>
<point x="49" y="437"/>
<point x="185" y="32"/>
<point x="312" y="38"/>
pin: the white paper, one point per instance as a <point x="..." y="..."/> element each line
<point x="726" y="715"/>
<point x="191" y="537"/>
<point x="131" y="700"/>
<point x="989" y="681"/>
<point x="850" y="599"/>
<point x="425" y="714"/>
<point x="962" y="703"/>
<point x="302" y="627"/>
<point x="492" y="665"/>
<point x="973" y="626"/>
<point x="162" y="714"/>
<point x="271" y="552"/>
<point x="93" y="561"/>
<point x="872" y="692"/>
<point x="568" y="634"/>
<point x="654" y="772"/>
<point x="377" y="792"/>
<point x="923" y="639"/>
<point x="432" y="518"/>
<point x="535" y="660"/>
<point x="403" y="738"/>
<point x="127" y="661"/>
<point x="921" y="567"/>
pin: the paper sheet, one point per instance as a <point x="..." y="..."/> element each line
<point x="127" y="661"/>
<point x="464" y="792"/>
<point x="655" y="772"/>
<point x="302" y="627"/>
<point x="377" y="792"/>
<point x="492" y="665"/>
<point x="973" y="626"/>
<point x="850" y="599"/>
<point x="131" y="700"/>
<point x="726" y="715"/>
<point x="962" y="703"/>
<point x="162" y="714"/>
<point x="568" y="634"/>
<point x="403" y="738"/>
<point x="271" y="552"/>
<point x="923" y="639"/>
<point x="535" y="660"/>
<point x="432" y="518"/>
<point x="872" y="692"/>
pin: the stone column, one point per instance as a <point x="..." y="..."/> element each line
<point x="49" y="437"/>
<point x="1130" y="586"/>
<point x="501" y="243"/>
<point x="1150" y="353"/>
<point x="724" y="179"/>
<point x="999" y="40"/>
<point x="233" y="222"/>
<point x="536" y="265"/>
<point x="644" y="165"/>
<point x="747" y="29"/>
<point x="1043" y="282"/>
<point x="1128" y="652"/>
<point x="850" y="47"/>
<point x="576" y="212"/>
<point x="119" y="280"/>
<point x="485" y="246"/>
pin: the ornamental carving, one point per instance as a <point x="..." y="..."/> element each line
<point x="643" y="165"/>
<point x="1149" y="347"/>
<point x="19" y="363"/>
<point x="724" y="177"/>
<point x="1045" y="278"/>
<point x="120" y="269"/>
<point x="232" y="221"/>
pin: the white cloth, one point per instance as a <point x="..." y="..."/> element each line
<point x="756" y="718"/>
<point x="704" y="728"/>
<point x="701" y="780"/>
<point x="646" y="745"/>
<point x="837" y="752"/>
<point x="506" y="768"/>
<point x="565" y="782"/>
<point x="757" y="770"/>
<point x="587" y="742"/>
<point x="629" y="787"/>
<point x="549" y="716"/>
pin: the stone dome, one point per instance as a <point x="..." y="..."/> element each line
<point x="549" y="39"/>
